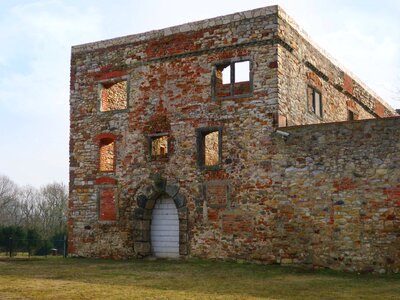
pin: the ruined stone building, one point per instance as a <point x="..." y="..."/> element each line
<point x="230" y="138"/>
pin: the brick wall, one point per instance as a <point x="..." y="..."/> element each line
<point x="267" y="200"/>
<point x="169" y="76"/>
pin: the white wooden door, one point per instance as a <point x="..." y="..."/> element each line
<point x="165" y="229"/>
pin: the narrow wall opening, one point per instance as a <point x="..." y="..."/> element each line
<point x="106" y="155"/>
<point x="211" y="147"/>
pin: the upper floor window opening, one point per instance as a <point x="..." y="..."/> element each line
<point x="113" y="96"/>
<point x="351" y="115"/>
<point x="315" y="101"/>
<point x="232" y="79"/>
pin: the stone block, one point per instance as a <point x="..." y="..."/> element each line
<point x="141" y="200"/>
<point x="141" y="235"/>
<point x="180" y="200"/>
<point x="142" y="248"/>
<point x="286" y="261"/>
<point x="171" y="190"/>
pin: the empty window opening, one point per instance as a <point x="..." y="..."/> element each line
<point x="226" y="75"/>
<point x="113" y="96"/>
<point x="223" y="80"/>
<point x="209" y="143"/>
<point x="107" y="148"/>
<point x="242" y="71"/>
<point x="159" y="147"/>
<point x="232" y="79"/>
<point x="351" y="115"/>
<point x="315" y="101"/>
<point x="211" y="149"/>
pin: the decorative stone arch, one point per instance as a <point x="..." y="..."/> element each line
<point x="146" y="200"/>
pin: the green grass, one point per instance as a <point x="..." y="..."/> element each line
<point x="58" y="278"/>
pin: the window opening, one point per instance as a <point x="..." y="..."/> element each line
<point x="226" y="75"/>
<point x="232" y="79"/>
<point x="242" y="71"/>
<point x="209" y="143"/>
<point x="211" y="149"/>
<point x="351" y="115"/>
<point x="159" y="147"/>
<point x="113" y="96"/>
<point x="316" y="101"/>
<point x="107" y="155"/>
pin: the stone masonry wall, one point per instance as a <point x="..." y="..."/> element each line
<point x="336" y="194"/>
<point x="169" y="91"/>
<point x="302" y="64"/>
<point x="243" y="207"/>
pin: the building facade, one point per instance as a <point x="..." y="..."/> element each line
<point x="232" y="138"/>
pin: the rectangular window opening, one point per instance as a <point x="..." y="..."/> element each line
<point x="242" y="71"/>
<point x="223" y="80"/>
<point x="232" y="79"/>
<point x="226" y="75"/>
<point x="315" y="105"/>
<point x="159" y="147"/>
<point x="211" y="146"/>
<point x="106" y="155"/>
<point x="209" y="142"/>
<point x="113" y="96"/>
<point x="351" y="115"/>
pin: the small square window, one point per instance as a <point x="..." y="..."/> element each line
<point x="232" y="79"/>
<point x="315" y="101"/>
<point x="113" y="96"/>
<point x="209" y="147"/>
<point x="158" y="146"/>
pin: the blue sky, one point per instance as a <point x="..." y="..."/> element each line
<point x="36" y="37"/>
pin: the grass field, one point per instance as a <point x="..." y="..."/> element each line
<point x="58" y="278"/>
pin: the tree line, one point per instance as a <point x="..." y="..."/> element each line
<point x="31" y="213"/>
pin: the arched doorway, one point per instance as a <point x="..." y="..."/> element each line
<point x="167" y="195"/>
<point x="165" y="228"/>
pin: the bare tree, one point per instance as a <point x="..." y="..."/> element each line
<point x="8" y="201"/>
<point x="28" y="198"/>
<point x="44" y="210"/>
<point x="52" y="208"/>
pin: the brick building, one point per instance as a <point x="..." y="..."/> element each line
<point x="209" y="139"/>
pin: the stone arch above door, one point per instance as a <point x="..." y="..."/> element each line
<point x="146" y="200"/>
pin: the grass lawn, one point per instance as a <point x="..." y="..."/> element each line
<point x="58" y="278"/>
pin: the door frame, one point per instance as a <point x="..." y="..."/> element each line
<point x="142" y="214"/>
